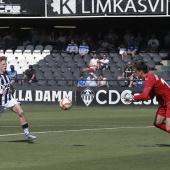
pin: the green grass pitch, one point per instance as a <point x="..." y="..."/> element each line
<point x="84" y="138"/>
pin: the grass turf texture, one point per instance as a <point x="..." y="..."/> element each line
<point x="84" y="138"/>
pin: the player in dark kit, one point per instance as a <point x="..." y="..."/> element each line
<point x="154" y="86"/>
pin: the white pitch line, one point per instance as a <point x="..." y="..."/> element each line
<point x="81" y="130"/>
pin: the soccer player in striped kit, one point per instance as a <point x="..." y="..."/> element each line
<point x="6" y="98"/>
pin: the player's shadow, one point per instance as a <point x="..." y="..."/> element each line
<point x="20" y="141"/>
<point x="156" y="145"/>
<point x="163" y="145"/>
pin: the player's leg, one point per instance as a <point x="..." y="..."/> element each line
<point x="18" y="109"/>
<point x="160" y="117"/>
<point x="168" y="118"/>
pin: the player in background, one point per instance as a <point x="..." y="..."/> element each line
<point x="154" y="86"/>
<point x="6" y="98"/>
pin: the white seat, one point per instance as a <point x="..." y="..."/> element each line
<point x="45" y="53"/>
<point x="19" y="71"/>
<point x="12" y="62"/>
<point x="32" y="62"/>
<point x="37" y="55"/>
<point x="9" y="54"/>
<point x="24" y="67"/>
<point x="23" y="62"/>
<point x="2" y="52"/>
<point x="18" y="55"/>
<point x="30" y="58"/>
<point x="27" y="54"/>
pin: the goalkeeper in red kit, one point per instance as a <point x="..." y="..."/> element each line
<point x="153" y="86"/>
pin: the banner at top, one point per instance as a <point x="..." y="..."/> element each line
<point x="22" y="8"/>
<point x="105" y="7"/>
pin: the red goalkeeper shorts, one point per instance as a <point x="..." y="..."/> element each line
<point x="164" y="111"/>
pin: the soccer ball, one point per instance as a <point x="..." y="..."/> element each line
<point x="65" y="103"/>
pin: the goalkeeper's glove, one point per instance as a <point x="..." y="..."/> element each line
<point x="128" y="98"/>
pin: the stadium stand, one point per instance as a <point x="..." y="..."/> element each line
<point x="55" y="62"/>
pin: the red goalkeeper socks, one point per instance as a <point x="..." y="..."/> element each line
<point x="161" y="126"/>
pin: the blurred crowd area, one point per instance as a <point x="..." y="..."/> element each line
<point x="109" y="40"/>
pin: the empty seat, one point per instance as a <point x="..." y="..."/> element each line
<point x="42" y="82"/>
<point x="81" y="63"/>
<point x="117" y="73"/>
<point x="20" y="47"/>
<point x="48" y="47"/>
<point x="28" y="55"/>
<point x="146" y="58"/>
<point x="24" y="67"/>
<point x="48" y="75"/>
<point x="46" y="53"/>
<point x="122" y="82"/>
<point x="67" y="59"/>
<point x="12" y="62"/>
<point x="76" y="74"/>
<point x="42" y="63"/>
<point x="51" y="63"/>
<point x="37" y="55"/>
<point x="74" y="68"/>
<point x="121" y="63"/>
<point x="127" y="58"/>
<point x="157" y="58"/>
<point x="114" y="68"/>
<point x="163" y="54"/>
<point x="62" y="83"/>
<point x="70" y="63"/>
<point x="45" y="68"/>
<point x="9" y="54"/>
<point x="48" y="58"/>
<point x="151" y="64"/>
<point x="51" y="82"/>
<point x="22" y="62"/>
<point x="113" y="83"/>
<point x="61" y="63"/>
<point x="77" y="57"/>
<point x="32" y="62"/>
<point x="29" y="47"/>
<point x="112" y="54"/>
<point x="39" y="47"/>
<point x="68" y="74"/>
<point x="18" y="55"/>
<point x="54" y="68"/>
<point x="87" y="58"/>
<point x="117" y="58"/>
<point x="19" y="71"/>
<point x="2" y="52"/>
<point x="63" y="68"/>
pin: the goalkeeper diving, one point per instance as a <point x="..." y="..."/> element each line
<point x="154" y="85"/>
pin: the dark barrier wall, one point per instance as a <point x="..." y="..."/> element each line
<point x="80" y="96"/>
<point x="25" y="8"/>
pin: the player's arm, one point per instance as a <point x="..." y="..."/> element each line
<point x="145" y="95"/>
